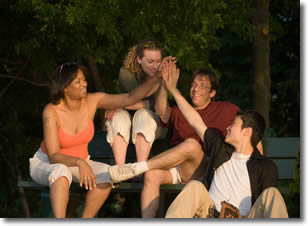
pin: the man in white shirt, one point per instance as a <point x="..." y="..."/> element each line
<point x="235" y="171"/>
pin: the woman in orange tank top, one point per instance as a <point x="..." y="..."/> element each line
<point x="68" y="128"/>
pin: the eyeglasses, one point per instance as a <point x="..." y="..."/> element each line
<point x="194" y="85"/>
<point x="66" y="65"/>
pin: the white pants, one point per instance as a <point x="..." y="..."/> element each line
<point x="45" y="173"/>
<point x="144" y="121"/>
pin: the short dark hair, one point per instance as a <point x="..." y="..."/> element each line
<point x="255" y="121"/>
<point x="61" y="78"/>
<point x="210" y="74"/>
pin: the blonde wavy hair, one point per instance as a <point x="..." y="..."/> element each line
<point x="130" y="61"/>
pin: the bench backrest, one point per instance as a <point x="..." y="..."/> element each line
<point x="100" y="150"/>
<point x="283" y="151"/>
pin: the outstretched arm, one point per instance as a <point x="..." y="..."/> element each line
<point x="161" y="101"/>
<point x="113" y="101"/>
<point x="170" y="76"/>
<point x="161" y="104"/>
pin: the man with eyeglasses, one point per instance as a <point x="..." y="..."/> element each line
<point x="184" y="161"/>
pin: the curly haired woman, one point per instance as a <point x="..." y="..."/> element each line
<point x="141" y="63"/>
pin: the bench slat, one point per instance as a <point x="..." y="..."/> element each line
<point x="283" y="151"/>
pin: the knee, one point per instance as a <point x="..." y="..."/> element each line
<point x="123" y="114"/>
<point x="152" y="178"/>
<point x="60" y="171"/>
<point x="144" y="116"/>
<point x="104" y="186"/>
<point x="122" y="117"/>
<point x="194" y="184"/>
<point x="191" y="147"/>
<point x="271" y="192"/>
<point x="145" y="124"/>
<point x="142" y="112"/>
<point x="192" y="144"/>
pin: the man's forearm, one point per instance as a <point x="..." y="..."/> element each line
<point x="161" y="103"/>
<point x="190" y="114"/>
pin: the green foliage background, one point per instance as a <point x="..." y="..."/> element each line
<point x="38" y="35"/>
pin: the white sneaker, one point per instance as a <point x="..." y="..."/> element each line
<point x="122" y="172"/>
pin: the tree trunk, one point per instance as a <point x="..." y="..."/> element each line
<point x="100" y="118"/>
<point x="261" y="59"/>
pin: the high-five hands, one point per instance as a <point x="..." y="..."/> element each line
<point x="166" y="59"/>
<point x="170" y="74"/>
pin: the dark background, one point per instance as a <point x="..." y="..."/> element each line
<point x="38" y="35"/>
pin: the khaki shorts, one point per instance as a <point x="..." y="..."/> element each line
<point x="45" y="173"/>
<point x="144" y="121"/>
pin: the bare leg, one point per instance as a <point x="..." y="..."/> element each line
<point x="193" y="168"/>
<point x="142" y="147"/>
<point x="188" y="155"/>
<point x="188" y="150"/>
<point x="59" y="196"/>
<point x="150" y="192"/>
<point x="119" y="148"/>
<point x="95" y="199"/>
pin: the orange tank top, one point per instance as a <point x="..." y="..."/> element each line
<point x="75" y="145"/>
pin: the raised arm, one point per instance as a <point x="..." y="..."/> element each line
<point x="113" y="101"/>
<point x="170" y="77"/>
<point x="161" y="104"/>
<point x="161" y="101"/>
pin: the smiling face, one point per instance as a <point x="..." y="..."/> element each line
<point x="77" y="89"/>
<point x="150" y="61"/>
<point x="235" y="131"/>
<point x="201" y="92"/>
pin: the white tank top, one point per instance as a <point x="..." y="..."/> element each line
<point x="231" y="183"/>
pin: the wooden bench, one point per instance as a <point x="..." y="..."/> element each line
<point x="100" y="150"/>
<point x="78" y="193"/>
<point x="282" y="150"/>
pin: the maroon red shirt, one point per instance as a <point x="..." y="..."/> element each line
<point x="217" y="115"/>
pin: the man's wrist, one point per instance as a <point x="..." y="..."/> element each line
<point x="174" y="91"/>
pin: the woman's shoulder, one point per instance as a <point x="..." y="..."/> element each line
<point x="49" y="110"/>
<point x="126" y="74"/>
<point x="127" y="80"/>
<point x="93" y="99"/>
<point x="49" y="107"/>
